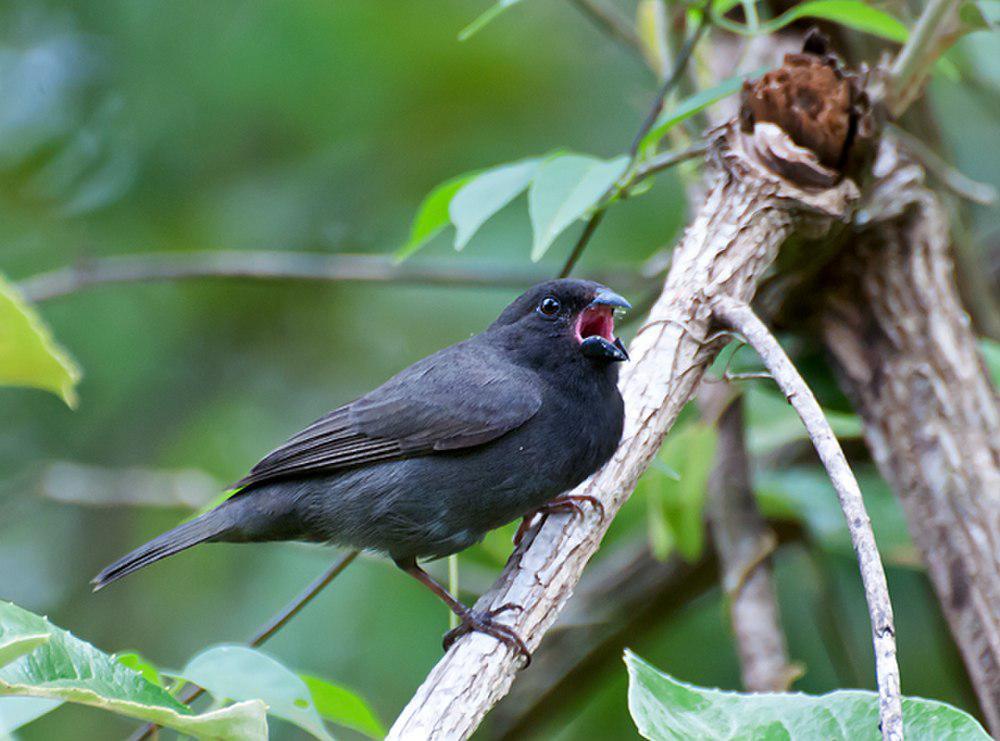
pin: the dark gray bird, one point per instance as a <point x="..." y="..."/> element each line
<point x="464" y="441"/>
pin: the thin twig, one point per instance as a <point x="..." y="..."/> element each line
<point x="666" y="160"/>
<point x="268" y="265"/>
<point x="192" y="692"/>
<point x="680" y="64"/>
<point x="741" y="318"/>
<point x="609" y="20"/>
<point x="639" y="174"/>
<point x="931" y="36"/>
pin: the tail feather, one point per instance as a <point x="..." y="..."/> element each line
<point x="206" y="527"/>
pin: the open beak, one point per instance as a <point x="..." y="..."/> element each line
<point x="595" y="328"/>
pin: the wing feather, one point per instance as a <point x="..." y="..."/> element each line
<point x="463" y="396"/>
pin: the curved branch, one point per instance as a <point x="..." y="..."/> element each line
<point x="738" y="316"/>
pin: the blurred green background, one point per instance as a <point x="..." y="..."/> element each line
<point x="136" y="126"/>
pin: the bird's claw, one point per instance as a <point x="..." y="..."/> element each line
<point x="572" y="503"/>
<point x="483" y="621"/>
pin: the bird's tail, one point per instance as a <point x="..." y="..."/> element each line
<point x="206" y="527"/>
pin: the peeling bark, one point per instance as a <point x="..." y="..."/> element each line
<point x="908" y="359"/>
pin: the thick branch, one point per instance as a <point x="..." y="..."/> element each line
<point x="740" y="317"/>
<point x="908" y="359"/>
<point x="744" y="543"/>
<point x="745" y="217"/>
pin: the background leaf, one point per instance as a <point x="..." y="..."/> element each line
<point x="851" y="13"/>
<point x="664" y="708"/>
<point x="485" y="194"/>
<point x="28" y="354"/>
<point x="66" y="668"/>
<point x="564" y="189"/>
<point x="242" y="673"/>
<point x="19" y="711"/>
<point x="432" y="216"/>
<point x="343" y="707"/>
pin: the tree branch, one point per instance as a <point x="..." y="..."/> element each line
<point x="744" y="543"/>
<point x="739" y="316"/>
<point x="261" y="265"/>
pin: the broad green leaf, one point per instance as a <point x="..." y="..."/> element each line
<point x="485" y="194"/>
<point x="432" y="216"/>
<point x="664" y="708"/>
<point x="564" y="189"/>
<point x="66" y="668"/>
<point x="14" y="646"/>
<point x="242" y="673"/>
<point x="28" y="354"/>
<point x="19" y="711"/>
<point x="138" y="663"/>
<point x="692" y="106"/>
<point x="477" y="25"/>
<point x="675" y="486"/>
<point x="805" y="494"/>
<point x="343" y="707"/>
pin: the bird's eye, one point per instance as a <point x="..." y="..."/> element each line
<point x="550" y="306"/>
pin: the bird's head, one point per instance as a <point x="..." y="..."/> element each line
<point x="575" y="314"/>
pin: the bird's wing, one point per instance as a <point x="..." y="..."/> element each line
<point x="463" y="396"/>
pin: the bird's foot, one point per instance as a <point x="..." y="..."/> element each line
<point x="484" y="621"/>
<point x="572" y="503"/>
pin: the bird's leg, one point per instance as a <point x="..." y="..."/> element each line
<point x="572" y="503"/>
<point x="471" y="619"/>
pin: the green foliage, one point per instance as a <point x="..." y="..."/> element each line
<point x="28" y="354"/>
<point x="19" y="711"/>
<point x="692" y="106"/>
<point x="562" y="189"/>
<point x="674" y="488"/>
<point x="240" y="673"/>
<point x="565" y="188"/>
<point x="432" y="216"/>
<point x="63" y="667"/>
<point x="664" y="708"/>
<point x="138" y="663"/>
<point x="772" y="422"/>
<point x="850" y="13"/>
<point x="343" y="707"/>
<point x="991" y="353"/>
<point x="483" y="196"/>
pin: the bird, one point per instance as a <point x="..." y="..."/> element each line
<point x="491" y="429"/>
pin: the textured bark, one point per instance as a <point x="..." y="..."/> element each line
<point x="907" y="357"/>
<point x="735" y="237"/>
<point x="744" y="543"/>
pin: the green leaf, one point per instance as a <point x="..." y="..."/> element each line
<point x="564" y="189"/>
<point x="138" y="663"/>
<point x="484" y="195"/>
<point x="242" y="673"/>
<point x="14" y="646"/>
<point x="851" y="13"/>
<point x="477" y="25"/>
<point x="664" y="708"/>
<point x="676" y="486"/>
<point x="19" y="711"/>
<point x="66" y="668"/>
<point x="432" y="216"/>
<point x="692" y="106"/>
<point x="28" y="354"/>
<point x="343" y="707"/>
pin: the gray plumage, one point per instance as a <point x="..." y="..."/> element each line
<point x="463" y="441"/>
